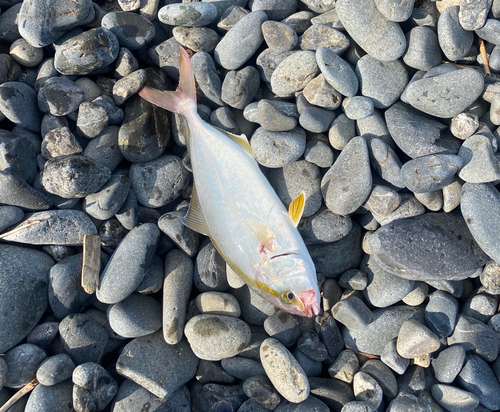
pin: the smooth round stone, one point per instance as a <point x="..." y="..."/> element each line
<point x="176" y="291"/>
<point x="480" y="163"/>
<point x="198" y="39"/>
<point x="294" y="73"/>
<point x="205" y="73"/>
<point x="93" y="385"/>
<point x="215" y="337"/>
<point x="473" y="15"/>
<point x="240" y="87"/>
<point x="278" y="149"/>
<point x="87" y="52"/>
<point x="490" y="31"/>
<point x="218" y="303"/>
<point x="429" y="173"/>
<point x="321" y="35"/>
<point x="480" y="204"/>
<point x="418" y="295"/>
<point x="282" y="327"/>
<point x="381" y="81"/>
<point x="90" y="88"/>
<point x="337" y="72"/>
<point x="224" y="119"/>
<point x="210" y="269"/>
<point x="230" y="16"/>
<point x="454" y="40"/>
<point x="22" y="363"/>
<point x="242" y="368"/>
<point x="341" y="132"/>
<point x="297" y="177"/>
<point x="43" y="23"/>
<point x="431" y="200"/>
<point x="55" y="369"/>
<point x="406" y="402"/>
<point x="358" y="107"/>
<point x="158" y="181"/>
<point x="415" y="339"/>
<point x="127" y="267"/>
<point x="25" y="54"/>
<point x="446" y="95"/>
<point x="268" y="61"/>
<point x="18" y="103"/>
<point x="136" y="315"/>
<point x="62" y="95"/>
<point x="382" y="39"/>
<point x="285" y="373"/>
<point x="453" y="398"/>
<point x="448" y="363"/>
<point x="73" y="176"/>
<point x="311" y="367"/>
<point x="353" y="279"/>
<point x="132" y="30"/>
<point x="128" y="86"/>
<point x="188" y="14"/>
<point x="352" y="313"/>
<point x="279" y="36"/>
<point x="393" y="359"/>
<point x="316" y="119"/>
<point x="128" y="213"/>
<point x="60" y="142"/>
<point x="9" y="215"/>
<point x="241" y="41"/>
<point x="275" y="10"/>
<point x="481" y="307"/>
<point x="23" y="274"/>
<point x="318" y="153"/>
<point x="383" y="200"/>
<point x="9" y="23"/>
<point x="92" y="119"/>
<point x="329" y="333"/>
<point x="477" y="377"/>
<point x="383" y="328"/>
<point x="254" y="308"/>
<point x="348" y="183"/>
<point x="66" y="295"/>
<point x="103" y="150"/>
<point x="460" y="258"/>
<point x="422" y="52"/>
<point x="54" y="398"/>
<point x="153" y="280"/>
<point x="276" y="116"/>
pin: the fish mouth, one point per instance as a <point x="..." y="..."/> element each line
<point x="310" y="302"/>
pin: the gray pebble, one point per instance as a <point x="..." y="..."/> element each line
<point x="441" y="313"/>
<point x="215" y="337"/>
<point x="311" y="367"/>
<point x="382" y="375"/>
<point x="382" y="81"/>
<point x="341" y="132"/>
<point x="318" y="153"/>
<point x="336" y="71"/>
<point x="218" y="303"/>
<point x="453" y="398"/>
<point x="358" y="406"/>
<point x="310" y="344"/>
<point x="176" y="291"/>
<point x="54" y="398"/>
<point x="379" y="37"/>
<point x="230" y="397"/>
<point x="166" y="55"/>
<point x="223" y="118"/>
<point x="321" y="35"/>
<point x="237" y="46"/>
<point x="283" y="327"/>
<point x="73" y="176"/>
<point x="398" y="12"/>
<point x="92" y="119"/>
<point x="108" y="201"/>
<point x="90" y="88"/>
<point x="409" y="207"/>
<point x="418" y="295"/>
<point x="454" y="40"/>
<point x="260" y="389"/>
<point x="422" y="52"/>
<point x="125" y="63"/>
<point x="366" y="389"/>
<point x="18" y="103"/>
<point x="18" y="155"/>
<point x="242" y="368"/>
<point x="55" y="369"/>
<point x="171" y="224"/>
<point x="473" y="16"/>
<point x="278" y="149"/>
<point x="232" y="15"/>
<point x="22" y="363"/>
<point x="481" y="306"/>
<point x="345" y="366"/>
<point x="352" y="313"/>
<point x="93" y="387"/>
<point x="60" y="142"/>
<point x="198" y="39"/>
<point x="353" y="279"/>
<point x="198" y="14"/>
<point x="352" y="176"/>
<point x="433" y="95"/>
<point x="115" y="114"/>
<point x="480" y="163"/>
<point x="103" y="150"/>
<point x="448" y="363"/>
<point x="9" y="215"/>
<point x="9" y="23"/>
<point x="62" y="95"/>
<point x="316" y="119"/>
<point x="357" y="107"/>
<point x="328" y="331"/>
<point x="383" y="200"/>
<point x="132" y="30"/>
<point x="128" y="86"/>
<point x="276" y="116"/>
<point x="279" y="36"/>
<point x="490" y="31"/>
<point x="268" y="61"/>
<point x="490" y="278"/>
<point x="405" y="402"/>
<point x="83" y="338"/>
<point x="254" y="308"/>
<point x="393" y="359"/>
<point x="209" y="371"/>
<point x="293" y="73"/>
<point x="277" y="362"/>
<point x="275" y="10"/>
<point x="332" y="392"/>
<point x="153" y="280"/>
<point x="415" y="340"/>
<point x="210" y="269"/>
<point x="240" y="87"/>
<point x="431" y="200"/>
<point x="320" y="93"/>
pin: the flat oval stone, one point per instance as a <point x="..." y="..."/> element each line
<point x="18" y="103"/>
<point x="454" y="40"/>
<point x="321" y="35"/>
<point x="293" y="73"/>
<point x="103" y="150"/>
<point x="423" y="52"/>
<point x="379" y="37"/>
<point x="215" y="337"/>
<point x="337" y="72"/>
<point x="132" y="30"/>
<point x="412" y="248"/>
<point x="446" y="95"/>
<point x="453" y="398"/>
<point x="198" y="39"/>
<point x="188" y="14"/>
<point x="87" y="52"/>
<point x="55" y="369"/>
<point x="51" y="398"/>
<point x="278" y="149"/>
<point x="284" y="371"/>
<point x="241" y="41"/>
<point x="218" y="303"/>
<point x="22" y="363"/>
<point x="127" y="266"/>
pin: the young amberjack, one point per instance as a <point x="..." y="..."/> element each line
<point x="234" y="204"/>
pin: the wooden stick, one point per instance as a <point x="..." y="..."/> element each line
<point x="484" y="56"/>
<point x="91" y="263"/>
<point x="19" y="394"/>
<point x="25" y="226"/>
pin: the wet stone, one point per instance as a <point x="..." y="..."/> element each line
<point x="197" y="14"/>
<point x="18" y="103"/>
<point x="55" y="369"/>
<point x="279" y="36"/>
<point x="237" y="46"/>
<point x="132" y="30"/>
<point x="128" y="86"/>
<point x="278" y="149"/>
<point x="93" y="387"/>
<point x="60" y="142"/>
<point x="321" y="35"/>
<point x="92" y="119"/>
<point x="240" y="87"/>
<point x="293" y="73"/>
<point x="215" y="337"/>
<point x="62" y="95"/>
<point x="448" y="363"/>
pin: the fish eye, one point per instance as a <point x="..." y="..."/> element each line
<point x="288" y="296"/>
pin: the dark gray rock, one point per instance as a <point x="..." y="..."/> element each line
<point x="18" y="103"/>
<point x="171" y="224"/>
<point x="128" y="264"/>
<point x="422" y="52"/>
<point x="254" y="308"/>
<point x="441" y="313"/>
<point x="453" y="398"/>
<point x="242" y="368"/>
<point x="18" y="155"/>
<point x="310" y="345"/>
<point x="14" y="191"/>
<point x="341" y="131"/>
<point x="276" y="116"/>
<point x="333" y="392"/>
<point x="54" y="398"/>
<point x="93" y="387"/>
<point x="316" y="119"/>
<point x="210" y="269"/>
<point x="405" y="402"/>
<point x="448" y="363"/>
<point x="209" y="83"/>
<point x="132" y="30"/>
<point x="9" y="23"/>
<point x="260" y="389"/>
<point x="481" y="306"/>
<point x="108" y="201"/>
<point x="393" y="359"/>
<point x="153" y="280"/>
<point x="9" y="215"/>
<point x="62" y="95"/>
<point x="352" y="313"/>
<point x="103" y="150"/>
<point x="22" y="363"/>
<point x="454" y="40"/>
<point x="328" y="331"/>
<point x="55" y="369"/>
<point x="282" y="327"/>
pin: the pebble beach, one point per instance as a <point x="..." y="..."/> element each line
<point x="385" y="113"/>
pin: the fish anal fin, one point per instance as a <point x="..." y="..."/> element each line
<point x="264" y="235"/>
<point x="194" y="217"/>
<point x="296" y="208"/>
<point x="240" y="140"/>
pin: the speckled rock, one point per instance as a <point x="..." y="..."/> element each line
<point x="55" y="369"/>
<point x="132" y="30"/>
<point x="60" y="142"/>
<point x="18" y="103"/>
<point x="278" y="149"/>
<point x="322" y="35"/>
<point x="198" y="14"/>
<point x="337" y="72"/>
<point x="293" y="73"/>
<point x="50" y="398"/>
<point x="93" y="387"/>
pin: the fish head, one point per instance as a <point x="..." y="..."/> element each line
<point x="292" y="285"/>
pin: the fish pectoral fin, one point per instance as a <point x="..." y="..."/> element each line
<point x="194" y="217"/>
<point x="296" y="208"/>
<point x="264" y="235"/>
<point x="241" y="140"/>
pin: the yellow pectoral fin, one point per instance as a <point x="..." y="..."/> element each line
<point x="194" y="218"/>
<point x="263" y="234"/>
<point x="241" y="140"/>
<point x="296" y="208"/>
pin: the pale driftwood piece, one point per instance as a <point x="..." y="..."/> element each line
<point x="91" y="263"/>
<point x="484" y="55"/>
<point x="19" y="394"/>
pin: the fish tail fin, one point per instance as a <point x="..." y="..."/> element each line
<point x="183" y="99"/>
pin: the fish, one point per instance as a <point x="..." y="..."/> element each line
<point x="233" y="203"/>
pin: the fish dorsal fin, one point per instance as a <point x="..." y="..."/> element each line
<point x="296" y="208"/>
<point x="194" y="217"/>
<point x="241" y="139"/>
